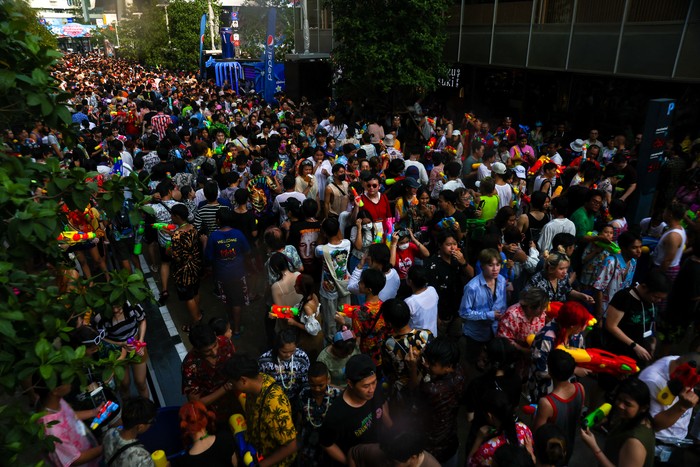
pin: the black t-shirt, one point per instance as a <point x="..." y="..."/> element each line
<point x="448" y="280"/>
<point x="682" y="308"/>
<point x="218" y="455"/>
<point x="630" y="177"/>
<point x="348" y="426"/>
<point x="637" y="318"/>
<point x="245" y="222"/>
<point x="482" y="385"/>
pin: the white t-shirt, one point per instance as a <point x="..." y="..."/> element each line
<point x="656" y="377"/>
<point x="339" y="254"/>
<point x="483" y="172"/>
<point x="281" y="198"/>
<point x="552" y="228"/>
<point x="422" y="173"/>
<point x="423" y="308"/>
<point x="505" y="195"/>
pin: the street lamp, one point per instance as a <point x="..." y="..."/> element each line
<point x="167" y="21"/>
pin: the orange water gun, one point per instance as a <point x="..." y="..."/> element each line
<point x="72" y="237"/>
<point x="358" y="198"/>
<point x="431" y="143"/>
<point x="601" y="361"/>
<point x="349" y="311"/>
<point x="392" y="181"/>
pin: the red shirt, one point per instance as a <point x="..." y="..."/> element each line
<point x="379" y="211"/>
<point x="405" y="259"/>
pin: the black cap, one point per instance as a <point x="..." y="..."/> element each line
<point x="321" y="132"/>
<point x="359" y="367"/>
<point x="291" y="203"/>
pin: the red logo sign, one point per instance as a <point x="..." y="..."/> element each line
<point x="270" y="40"/>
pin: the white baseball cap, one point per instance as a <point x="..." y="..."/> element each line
<point x="498" y="168"/>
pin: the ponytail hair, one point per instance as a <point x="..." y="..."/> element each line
<point x="497" y="404"/>
<point x="550" y="444"/>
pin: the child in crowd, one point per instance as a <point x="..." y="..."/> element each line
<point x="336" y="355"/>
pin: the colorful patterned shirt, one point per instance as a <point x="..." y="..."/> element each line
<point x="514" y="325"/>
<point x="187" y="257"/>
<point x="396" y="348"/>
<point x="290" y="374"/>
<point x="614" y="274"/>
<point x="199" y="376"/>
<point x="371" y="329"/>
<point x="270" y="421"/>
<point x="312" y="416"/>
<point x="484" y="455"/>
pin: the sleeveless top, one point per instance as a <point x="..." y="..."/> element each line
<point x="567" y="413"/>
<point x="618" y="437"/>
<point x="534" y="227"/>
<point x="658" y="252"/>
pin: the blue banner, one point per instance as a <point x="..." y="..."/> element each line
<point x="269" y="58"/>
<point x="202" y="27"/>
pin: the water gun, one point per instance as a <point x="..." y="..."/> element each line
<point x="378" y="237"/>
<point x="690" y="216"/>
<point x="138" y="238"/>
<point x="685" y="376"/>
<point x="87" y="317"/>
<point x="553" y="310"/>
<point x="358" y="198"/>
<point x="530" y="409"/>
<point x="136" y="344"/>
<point x="476" y="165"/>
<point x="584" y="150"/>
<point x="538" y="165"/>
<point x="159" y="459"/>
<point x="274" y="169"/>
<point x="103" y="414"/>
<point x="248" y="453"/>
<point x="447" y="223"/>
<point x="470" y="117"/>
<point x="118" y="166"/>
<point x="600" y="361"/>
<point x="597" y="416"/>
<point x="73" y="237"/>
<point x="283" y="312"/>
<point x="349" y="311"/>
<point x="431" y="143"/>
<point x="389" y="231"/>
<point x="164" y="226"/>
<point x="450" y="150"/>
<point x="392" y="181"/>
<point x="431" y="121"/>
<point x="443" y="176"/>
<point x="557" y="191"/>
<point x="612" y="247"/>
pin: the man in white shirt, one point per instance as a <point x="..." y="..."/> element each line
<point x="423" y="302"/>
<point x="593" y="139"/>
<point x="377" y="257"/>
<point x="504" y="190"/>
<point x="672" y="418"/>
<point x="280" y="203"/>
<point x="414" y="155"/>
<point x="558" y="224"/>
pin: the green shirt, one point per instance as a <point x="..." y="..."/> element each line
<point x="490" y="207"/>
<point x="583" y="221"/>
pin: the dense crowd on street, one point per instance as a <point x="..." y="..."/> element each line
<point x="438" y="287"/>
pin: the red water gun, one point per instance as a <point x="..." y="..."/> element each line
<point x="358" y="198"/>
<point x="431" y="143"/>
<point x="283" y="312"/>
<point x="165" y="226"/>
<point x="686" y="375"/>
<point x="136" y="344"/>
<point x="349" y="311"/>
<point x="553" y="310"/>
<point x="600" y="361"/>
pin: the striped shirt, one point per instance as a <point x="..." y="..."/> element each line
<point x="205" y="218"/>
<point x="160" y="123"/>
<point x="120" y="331"/>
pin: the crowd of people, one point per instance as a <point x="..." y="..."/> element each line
<point x="409" y="265"/>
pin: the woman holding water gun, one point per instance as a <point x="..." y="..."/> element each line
<point x="630" y="442"/>
<point x="126" y="329"/>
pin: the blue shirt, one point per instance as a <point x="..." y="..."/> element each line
<point x="478" y="305"/>
<point x="226" y="250"/>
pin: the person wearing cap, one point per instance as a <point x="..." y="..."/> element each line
<point x="354" y="417"/>
<point x="337" y="354"/>
<point x="414" y="154"/>
<point x="503" y="189"/>
<point x="279" y="206"/>
<point x="390" y="144"/>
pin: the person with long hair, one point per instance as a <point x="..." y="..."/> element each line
<point x="208" y="447"/>
<point x="283" y="290"/>
<point x="500" y="429"/>
<point x="630" y="442"/>
<point x="185" y="251"/>
<point x="565" y="330"/>
<point x="311" y="337"/>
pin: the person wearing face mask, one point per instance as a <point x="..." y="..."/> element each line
<point x="336" y="196"/>
<point x="361" y="236"/>
<point x="405" y="247"/>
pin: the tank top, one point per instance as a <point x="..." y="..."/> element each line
<point x="567" y="413"/>
<point x="534" y="227"/>
<point x="659" y="254"/>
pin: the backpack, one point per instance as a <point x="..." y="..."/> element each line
<point x="121" y="223"/>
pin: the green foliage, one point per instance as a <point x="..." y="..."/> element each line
<point x="28" y="53"/>
<point x="388" y="48"/>
<point x="253" y="28"/>
<point x="144" y="38"/>
<point x="36" y="314"/>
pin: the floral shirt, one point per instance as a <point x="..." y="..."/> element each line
<point x="396" y="349"/>
<point x="613" y="275"/>
<point x="270" y="421"/>
<point x="539" y="383"/>
<point x="199" y="376"/>
<point x="290" y="374"/>
<point x="187" y="257"/>
<point x="484" y="455"/>
<point x="371" y="329"/>
<point x="515" y="326"/>
<point x="559" y="295"/>
<point x="312" y="416"/>
<point x="589" y="270"/>
<point x="134" y="456"/>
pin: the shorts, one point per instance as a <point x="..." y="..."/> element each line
<point x="164" y="256"/>
<point x="83" y="246"/>
<point x="123" y="249"/>
<point x="235" y="291"/>
<point x="187" y="292"/>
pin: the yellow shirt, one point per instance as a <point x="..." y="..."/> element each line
<point x="270" y="423"/>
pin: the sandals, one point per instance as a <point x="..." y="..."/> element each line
<point x="186" y="328"/>
<point x="163" y="297"/>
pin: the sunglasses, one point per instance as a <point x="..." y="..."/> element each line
<point x="100" y="335"/>
<point x="372" y="185"/>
